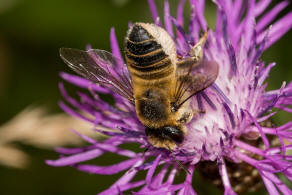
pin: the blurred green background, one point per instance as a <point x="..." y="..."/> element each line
<point x="31" y="33"/>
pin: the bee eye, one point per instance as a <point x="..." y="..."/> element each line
<point x="172" y="133"/>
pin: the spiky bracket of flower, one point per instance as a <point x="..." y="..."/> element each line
<point x="234" y="106"/>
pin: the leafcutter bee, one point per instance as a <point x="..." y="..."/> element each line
<point x="155" y="80"/>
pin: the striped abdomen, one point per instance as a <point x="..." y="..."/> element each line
<point x="146" y="59"/>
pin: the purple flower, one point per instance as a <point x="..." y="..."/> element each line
<point x="234" y="109"/>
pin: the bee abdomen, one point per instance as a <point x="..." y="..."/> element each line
<point x="150" y="66"/>
<point x="146" y="58"/>
<point x="161" y="75"/>
<point x="141" y="48"/>
<point x="158" y="66"/>
<point x="139" y="34"/>
<point x="140" y="42"/>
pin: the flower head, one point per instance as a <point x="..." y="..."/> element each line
<point x="233" y="110"/>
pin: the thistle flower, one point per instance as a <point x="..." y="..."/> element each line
<point x="233" y="108"/>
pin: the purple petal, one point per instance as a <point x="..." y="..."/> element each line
<point x="129" y="134"/>
<point x="181" y="36"/>
<point x="180" y="12"/>
<point x="72" y="112"/>
<point x="265" y="73"/>
<point x="200" y="103"/>
<point x="158" y="179"/>
<point x="153" y="11"/>
<point x="270" y="186"/>
<point x="84" y="83"/>
<point x="77" y="158"/>
<point x="230" y="115"/>
<point x="171" y="176"/>
<point x="263" y="135"/>
<point x="108" y="170"/>
<point x="114" y="149"/>
<point x="152" y="170"/>
<point x="278" y="29"/>
<point x="167" y="19"/>
<point x="225" y="179"/>
<point x="248" y="147"/>
<point x="199" y="6"/>
<point x="261" y="6"/>
<point x="115" y="46"/>
<point x="232" y="58"/>
<point x="207" y="99"/>
<point x="270" y="16"/>
<point x="68" y="151"/>
<point x="84" y="137"/>
<point x="220" y="92"/>
<point x="249" y="23"/>
<point x="122" y="188"/>
<point x="188" y="182"/>
<point x="129" y="175"/>
<point x="194" y="28"/>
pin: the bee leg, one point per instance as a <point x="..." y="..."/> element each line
<point x="196" y="55"/>
<point x="186" y="63"/>
<point x="188" y="116"/>
<point x="197" y="113"/>
<point x="197" y="51"/>
<point x="185" y="117"/>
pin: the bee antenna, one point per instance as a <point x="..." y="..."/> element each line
<point x="179" y="163"/>
<point x="187" y="99"/>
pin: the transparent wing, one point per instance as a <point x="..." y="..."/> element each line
<point x="192" y="78"/>
<point x="100" y="67"/>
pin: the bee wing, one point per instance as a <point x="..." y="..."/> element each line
<point x="194" y="78"/>
<point x="100" y="67"/>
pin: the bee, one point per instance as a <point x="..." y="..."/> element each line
<point x="155" y="80"/>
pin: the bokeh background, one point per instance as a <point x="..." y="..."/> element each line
<point x="31" y="33"/>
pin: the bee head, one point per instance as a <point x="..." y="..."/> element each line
<point x="171" y="133"/>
